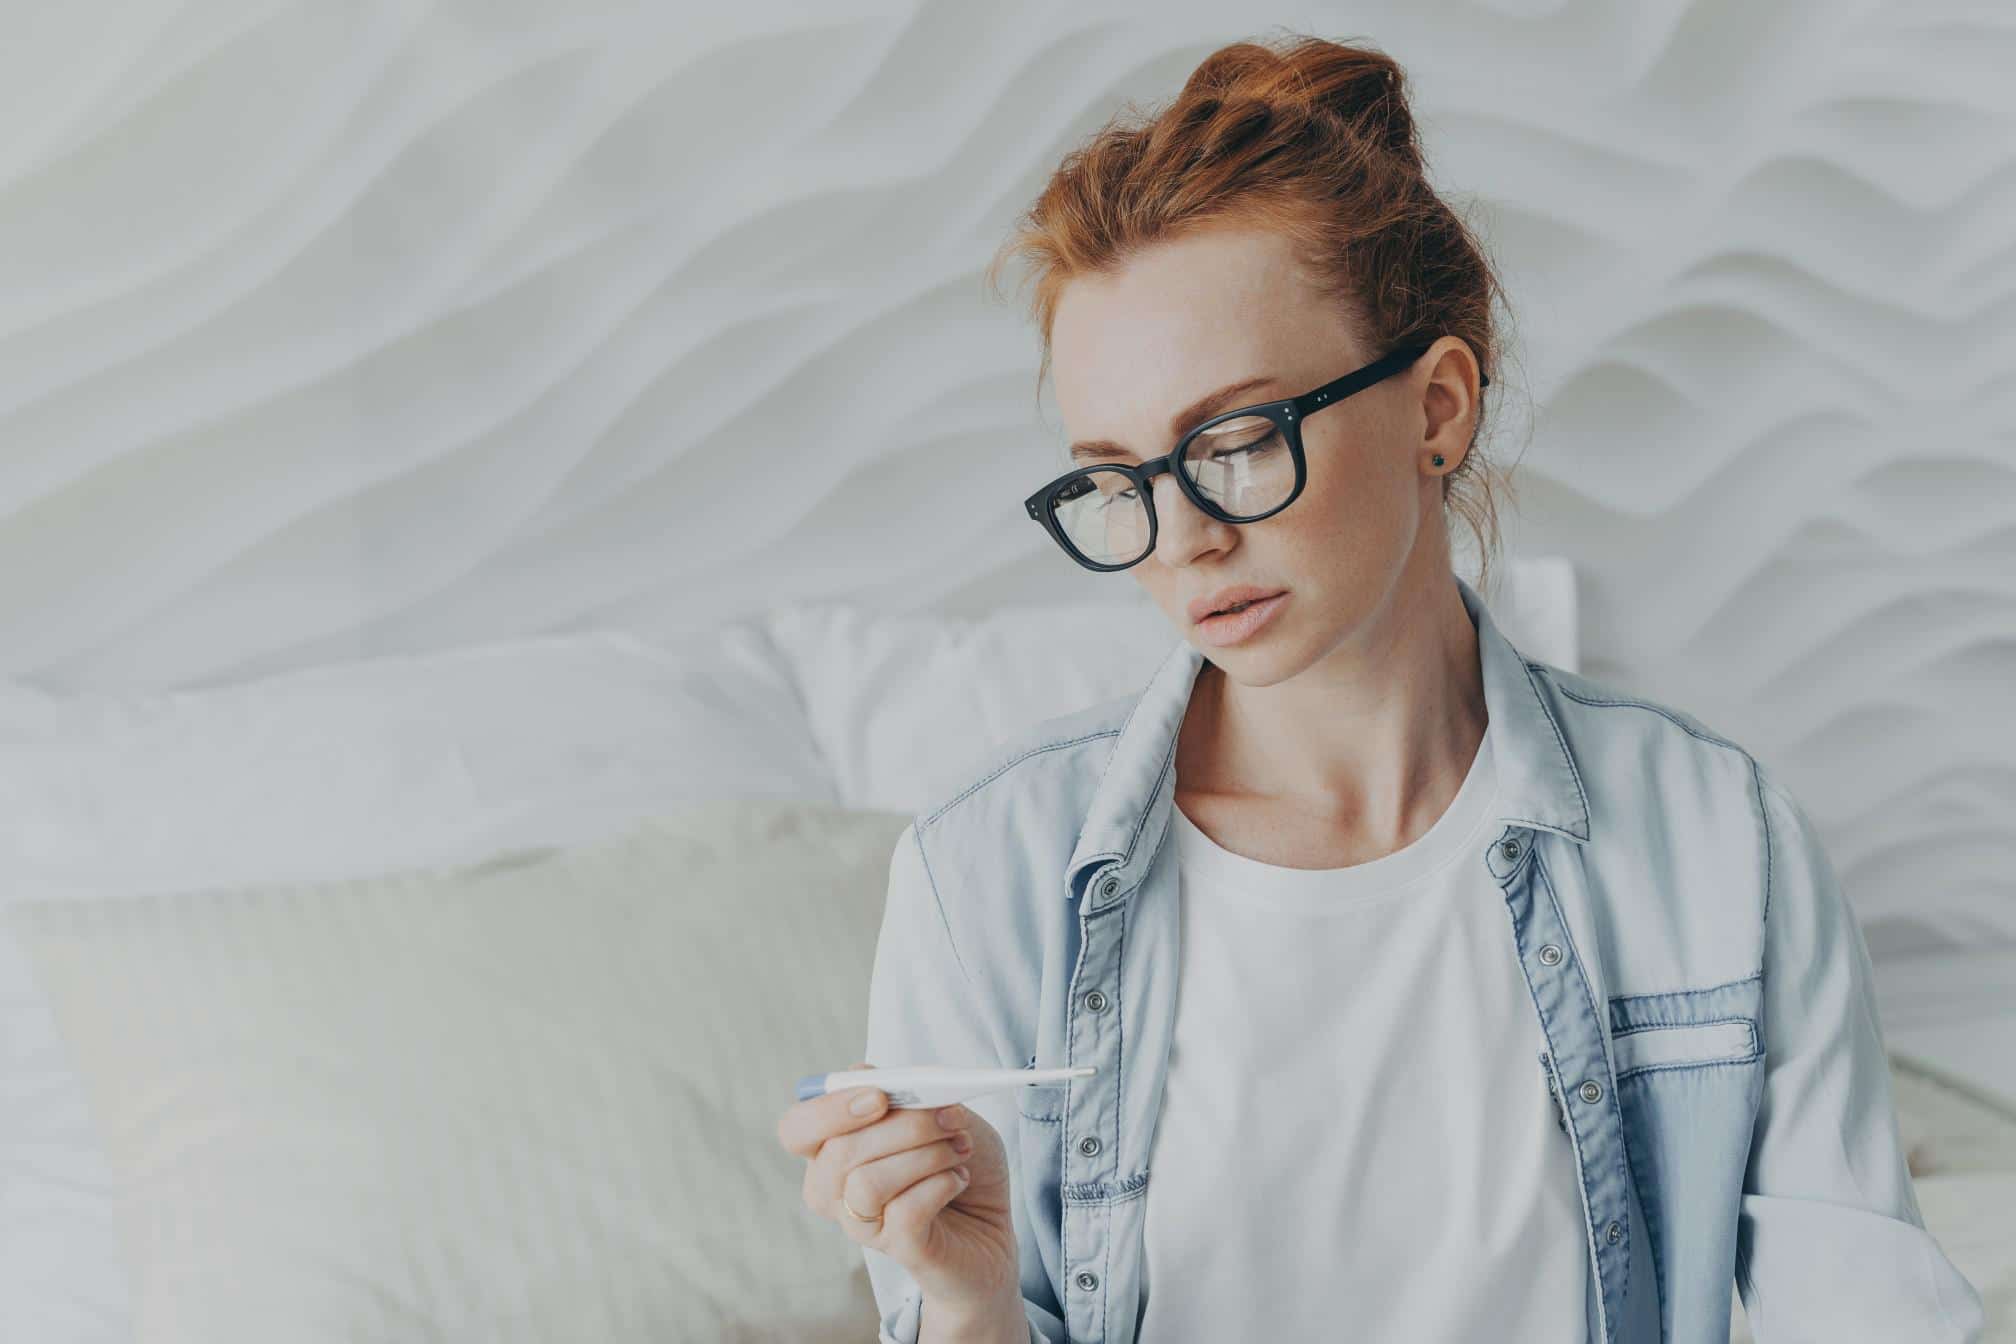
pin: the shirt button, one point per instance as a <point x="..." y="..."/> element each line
<point x="1510" y="849"/>
<point x="1550" y="955"/>
<point x="1592" y="1091"/>
<point x="1087" y="1280"/>
<point x="1616" y="1234"/>
<point x="1111" y="885"/>
<point x="1089" y="1146"/>
<point x="1095" y="1002"/>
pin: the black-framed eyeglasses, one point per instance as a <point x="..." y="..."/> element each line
<point x="1239" y="466"/>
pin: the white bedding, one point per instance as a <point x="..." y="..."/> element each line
<point x="376" y="766"/>
<point x="512" y="1103"/>
<point x="386" y="764"/>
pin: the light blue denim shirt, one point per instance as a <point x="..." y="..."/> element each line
<point x="1703" y="991"/>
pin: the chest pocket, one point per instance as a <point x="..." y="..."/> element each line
<point x="1683" y="1045"/>
<point x="1687" y="1029"/>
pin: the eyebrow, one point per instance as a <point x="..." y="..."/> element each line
<point x="1091" y="450"/>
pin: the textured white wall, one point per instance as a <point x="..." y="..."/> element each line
<point x="329" y="329"/>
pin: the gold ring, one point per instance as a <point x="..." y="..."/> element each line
<point x="862" y="1216"/>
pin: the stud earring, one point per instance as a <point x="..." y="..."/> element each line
<point x="1438" y="459"/>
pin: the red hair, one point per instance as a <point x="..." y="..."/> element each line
<point x="1309" y="137"/>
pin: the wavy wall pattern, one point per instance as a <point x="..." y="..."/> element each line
<point x="338" y="330"/>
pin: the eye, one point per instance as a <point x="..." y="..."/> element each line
<point x="1244" y="437"/>
<point x="1246" y="450"/>
<point x="1112" y="487"/>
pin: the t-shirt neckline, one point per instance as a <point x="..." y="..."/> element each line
<point x="1407" y="868"/>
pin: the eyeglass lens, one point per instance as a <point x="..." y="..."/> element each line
<point x="1242" y="466"/>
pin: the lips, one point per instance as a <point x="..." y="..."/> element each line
<point x="1228" y="597"/>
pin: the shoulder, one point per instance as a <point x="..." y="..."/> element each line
<point x="1008" y="827"/>
<point x="1612" y="732"/>
<point x="1036" y="758"/>
<point x="1598" y="702"/>
<point x="1676" y="790"/>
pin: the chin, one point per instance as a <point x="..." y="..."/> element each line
<point x="1257" y="664"/>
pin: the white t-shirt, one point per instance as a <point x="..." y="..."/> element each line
<point x="1357" y="1140"/>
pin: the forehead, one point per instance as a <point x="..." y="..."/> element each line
<point x="1180" y="318"/>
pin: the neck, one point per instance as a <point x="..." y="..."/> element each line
<point x="1375" y="737"/>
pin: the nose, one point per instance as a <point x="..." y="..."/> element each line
<point x="1181" y="528"/>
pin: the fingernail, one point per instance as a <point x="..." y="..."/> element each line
<point x="961" y="1144"/>
<point x="866" y="1102"/>
<point x="949" y="1117"/>
<point x="963" y="1175"/>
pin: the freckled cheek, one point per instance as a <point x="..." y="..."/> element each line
<point x="1347" y="517"/>
<point x="1341" y="463"/>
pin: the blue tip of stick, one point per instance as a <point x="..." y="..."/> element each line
<point x="811" y="1085"/>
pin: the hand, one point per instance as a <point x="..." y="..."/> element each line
<point x="956" y="1238"/>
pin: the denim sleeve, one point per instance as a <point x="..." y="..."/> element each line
<point x="1830" y="1243"/>
<point x="922" y="1010"/>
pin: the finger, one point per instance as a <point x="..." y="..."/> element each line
<point x="871" y="1183"/>
<point x="900" y="1130"/>
<point x="906" y="1219"/>
<point x="805" y="1125"/>
<point x="885" y="1183"/>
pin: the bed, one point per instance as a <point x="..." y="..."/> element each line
<point x="455" y="995"/>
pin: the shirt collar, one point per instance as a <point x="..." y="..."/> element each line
<point x="1538" y="784"/>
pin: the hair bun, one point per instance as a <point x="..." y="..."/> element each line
<point x="1310" y="87"/>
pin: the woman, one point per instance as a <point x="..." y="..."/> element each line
<point x="1491" y="1003"/>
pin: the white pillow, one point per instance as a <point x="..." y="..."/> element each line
<point x="385" y="763"/>
<point x="529" y="1100"/>
<point x="346" y="770"/>
<point x="902" y="704"/>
